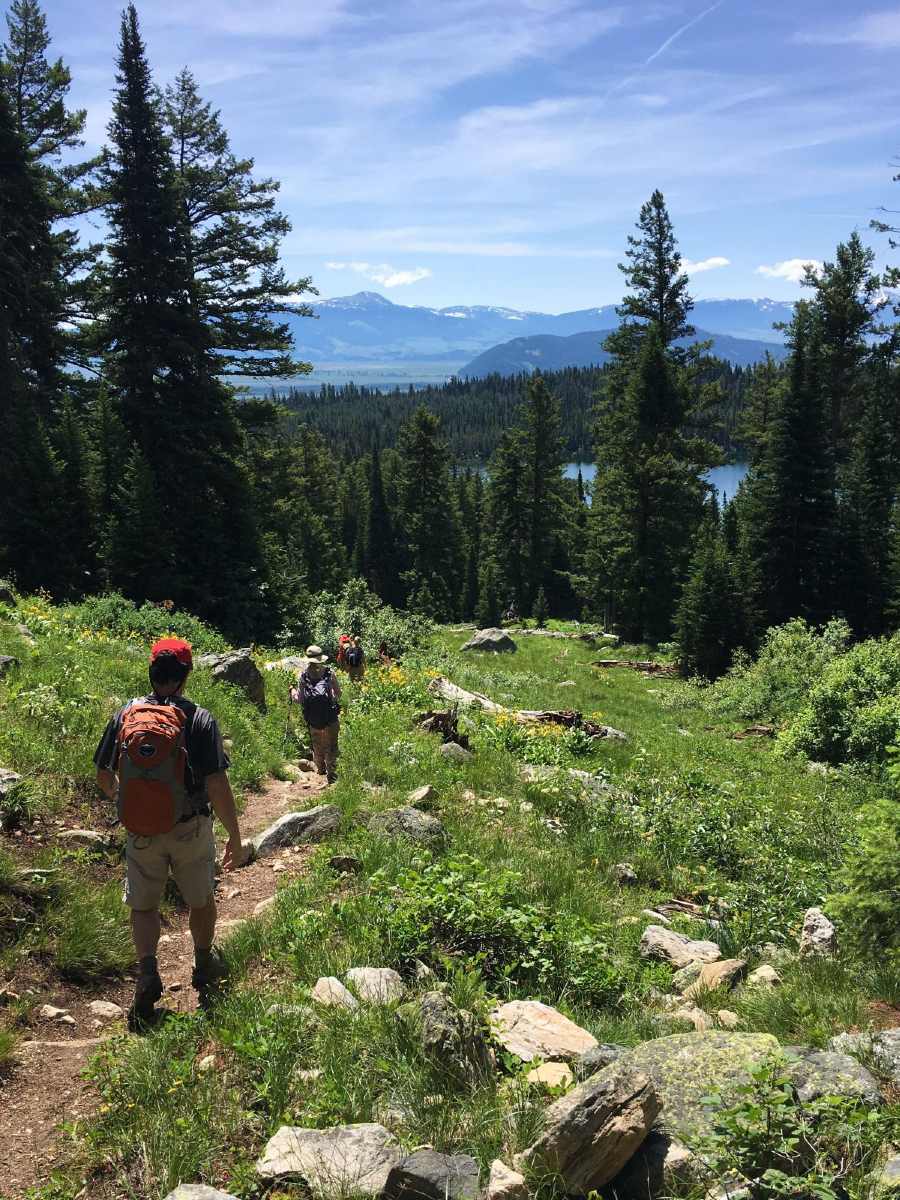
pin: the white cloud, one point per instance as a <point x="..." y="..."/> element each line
<point x="383" y="273"/>
<point x="689" y="267"/>
<point x="792" y="269"/>
<point x="875" y="31"/>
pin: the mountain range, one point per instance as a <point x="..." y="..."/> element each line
<point x="367" y="328"/>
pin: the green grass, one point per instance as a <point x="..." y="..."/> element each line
<point x="522" y="904"/>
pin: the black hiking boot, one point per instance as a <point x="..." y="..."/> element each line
<point x="210" y="977"/>
<point x="147" y="991"/>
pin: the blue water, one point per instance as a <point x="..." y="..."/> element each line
<point x="724" y="479"/>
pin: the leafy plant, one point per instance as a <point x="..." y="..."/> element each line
<point x="92" y="937"/>
<point x="868" y="901"/>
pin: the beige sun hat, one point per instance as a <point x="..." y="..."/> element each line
<point x="316" y="654"/>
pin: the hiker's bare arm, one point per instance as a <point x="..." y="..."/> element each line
<point x="107" y="783"/>
<point x="335" y="687"/>
<point x="221" y="798"/>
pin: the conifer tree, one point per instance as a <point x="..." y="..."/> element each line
<point x="381" y="568"/>
<point x="29" y="542"/>
<point x="510" y="517"/>
<point x="709" y="624"/>
<point x="74" y="520"/>
<point x="234" y="232"/>
<point x="139" y="554"/>
<point x="487" y="610"/>
<point x="540" y="609"/>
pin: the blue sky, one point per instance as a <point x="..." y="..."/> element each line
<point x="497" y="151"/>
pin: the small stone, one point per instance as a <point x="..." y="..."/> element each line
<point x="198" y="1191"/>
<point x="551" y="1075"/>
<point x="496" y="640"/>
<point x="666" y="945"/>
<point x="291" y="772"/>
<point x="722" y="974"/>
<point x="279" y="868"/>
<point x="331" y="993"/>
<point x="818" y="1073"/>
<point x="310" y="826"/>
<point x="764" y="977"/>
<point x="421" y="795"/>
<point x="728" y="1019"/>
<point x="683" y="978"/>
<point x="106" y="1010"/>
<point x="428" y="1175"/>
<point x="206" y="1063"/>
<point x="48" y="1012"/>
<point x="624" y="874"/>
<point x="307" y="1075"/>
<point x="376" y="985"/>
<point x="410" y="824"/>
<point x="348" y="1160"/>
<point x="657" y="918"/>
<point x="819" y="937"/>
<point x="505" y="1184"/>
<point x="264" y="906"/>
<point x="881" y="1049"/>
<point x="237" y="668"/>
<point x="455" y="753"/>
<point x="529" y="1029"/>
<point x="692" y="1015"/>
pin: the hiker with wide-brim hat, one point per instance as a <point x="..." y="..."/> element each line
<point x="319" y="694"/>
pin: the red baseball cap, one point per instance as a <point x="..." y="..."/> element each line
<point x="177" y="646"/>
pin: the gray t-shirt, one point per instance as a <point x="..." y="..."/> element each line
<point x="202" y="741"/>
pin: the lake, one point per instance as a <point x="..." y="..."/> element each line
<point x="724" y="479"/>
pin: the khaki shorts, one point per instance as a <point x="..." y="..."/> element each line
<point x="188" y="851"/>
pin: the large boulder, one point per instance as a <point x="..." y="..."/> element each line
<point x="819" y="937"/>
<point x="591" y="1133"/>
<point x="818" y="1073"/>
<point x="238" y="668"/>
<point x="686" y="1067"/>
<point x="312" y="825"/>
<point x="7" y="662"/>
<point x="598" y="1057"/>
<point x="8" y="781"/>
<point x="887" y="1181"/>
<point x="293" y="663"/>
<point x="348" y="1160"/>
<point x="496" y="640"/>
<point x="410" y="823"/>
<point x="529" y="1029"/>
<point x="881" y="1049"/>
<point x="428" y="1175"/>
<point x="660" y="1166"/>
<point x="665" y="945"/>
<point x="452" y="1039"/>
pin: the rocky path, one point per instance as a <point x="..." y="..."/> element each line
<point x="46" y="1086"/>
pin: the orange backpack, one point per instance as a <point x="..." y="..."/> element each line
<point x="151" y="768"/>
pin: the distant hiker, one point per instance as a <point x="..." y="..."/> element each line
<point x="356" y="660"/>
<point x="319" y="693"/>
<point x="345" y="641"/>
<point x="162" y="761"/>
<point x="384" y="655"/>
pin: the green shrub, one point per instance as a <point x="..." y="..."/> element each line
<point x="358" y="611"/>
<point x="113" y="615"/>
<point x="853" y="711"/>
<point x="868" y="903"/>
<point x="776" y="684"/>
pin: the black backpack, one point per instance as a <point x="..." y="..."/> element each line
<point x="354" y="656"/>
<point x="320" y="709"/>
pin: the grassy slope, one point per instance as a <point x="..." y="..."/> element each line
<point x="521" y="905"/>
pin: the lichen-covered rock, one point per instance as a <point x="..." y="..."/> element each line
<point x="819" y="937"/>
<point x="7" y="662"/>
<point x="598" y="1057"/>
<point x="817" y="1073"/>
<point x="887" y="1181"/>
<point x="292" y="829"/>
<point x="624" y="874"/>
<point x="455" y="753"/>
<point x="665" y="945"/>
<point x="496" y="640"/>
<point x="881" y="1048"/>
<point x="348" y="1160"/>
<point x="411" y="824"/>
<point x="238" y="668"/>
<point x="686" y="1067"/>
<point x="529" y="1029"/>
<point x="452" y="1039"/>
<point x="592" y="1132"/>
<point x="428" y="1175"/>
<point x="8" y="781"/>
<point x="658" y="1168"/>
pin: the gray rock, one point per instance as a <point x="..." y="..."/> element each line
<point x="887" y="1182"/>
<point x="237" y="668"/>
<point x="624" y="874"/>
<point x="496" y="640"/>
<point x="452" y="1039"/>
<point x="428" y="1175"/>
<point x="7" y="595"/>
<point x="24" y="632"/>
<point x="683" y="978"/>
<point x="764" y="977"/>
<point x="724" y="973"/>
<point x="295" y="828"/>
<point x="819" y="937"/>
<point x="591" y="1133"/>
<point x="293" y="663"/>
<point x="881" y="1049"/>
<point x="505" y="1184"/>
<point x="8" y="780"/>
<point x="421" y="797"/>
<point x="817" y="1073"/>
<point x="687" y="1067"/>
<point x="88" y="838"/>
<point x="106" y="1010"/>
<point x="455" y="753"/>
<point x="529" y="1029"/>
<point x="658" y="1168"/>
<point x="597" y="1058"/>
<point x="665" y="945"/>
<point x="198" y="1191"/>
<point x="7" y="662"/>
<point x="331" y="993"/>
<point x="411" y="824"/>
<point x="375" y="985"/>
<point x="348" y="1160"/>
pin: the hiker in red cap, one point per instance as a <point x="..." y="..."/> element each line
<point x="162" y="761"/>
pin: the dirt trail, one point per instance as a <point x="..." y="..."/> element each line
<point x="46" y="1086"/>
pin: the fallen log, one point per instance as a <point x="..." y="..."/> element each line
<point x="567" y="717"/>
<point x="645" y="667"/>
<point x="446" y="724"/>
<point x="456" y="695"/>
<point x="755" y="731"/>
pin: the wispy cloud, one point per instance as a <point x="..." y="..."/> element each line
<point x="689" y="267"/>
<point x="793" y="270"/>
<point x="383" y="273"/>
<point x="707" y="12"/>
<point x="875" y="31"/>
